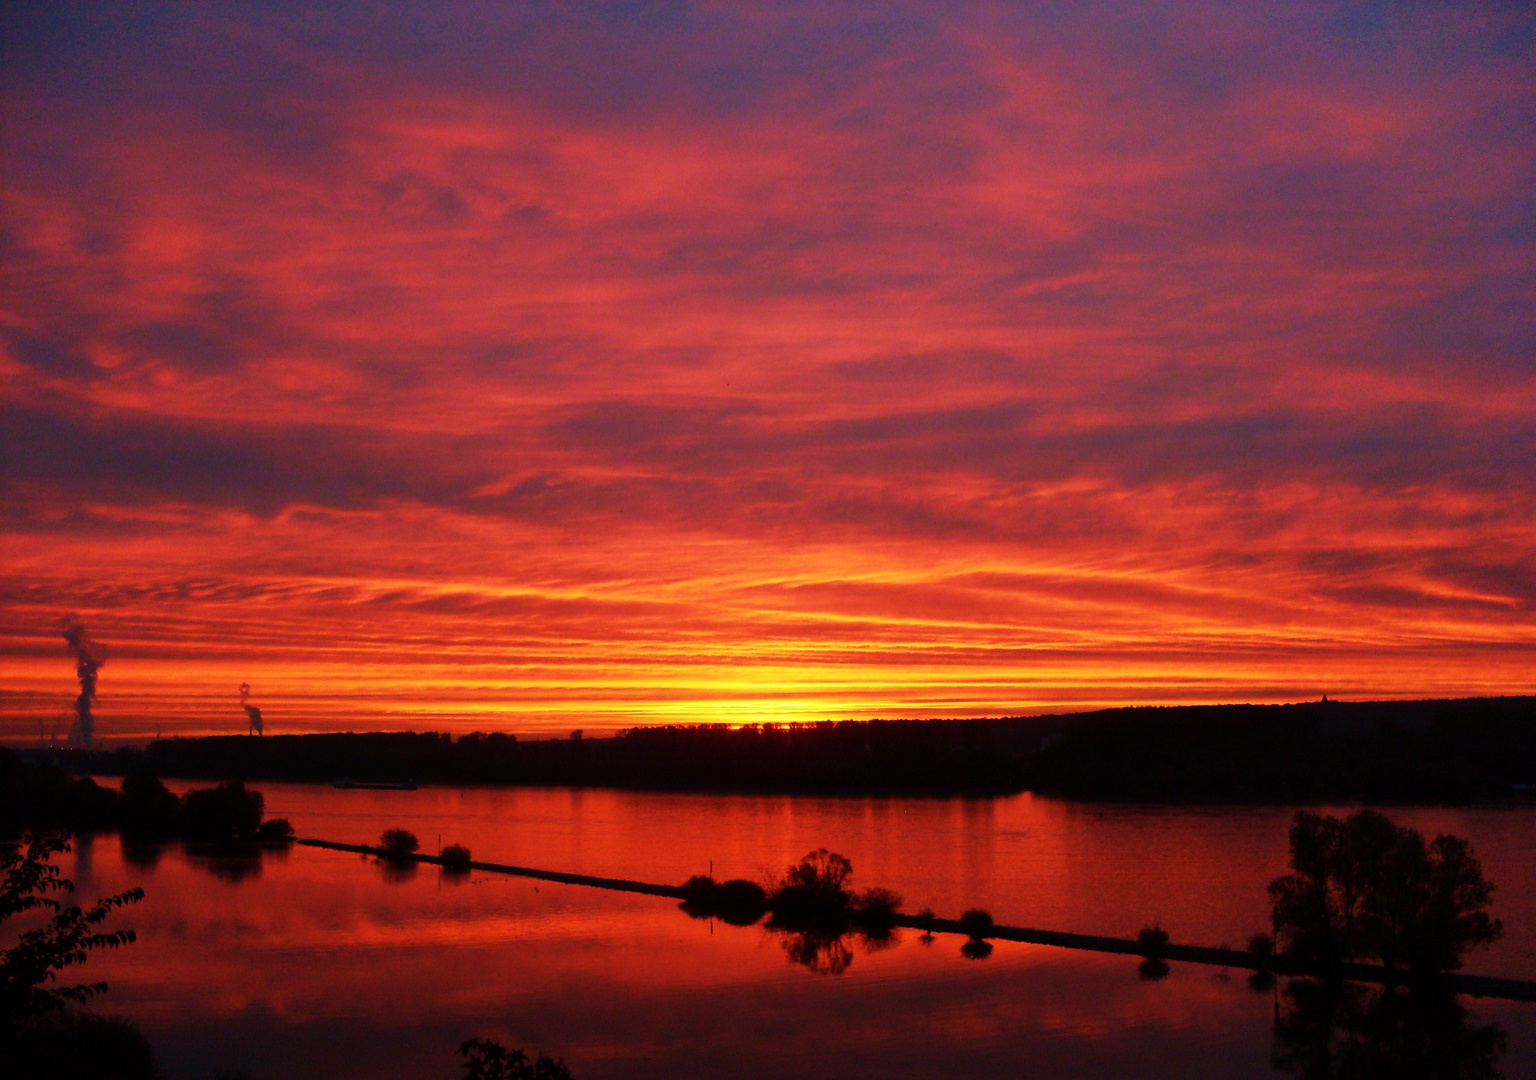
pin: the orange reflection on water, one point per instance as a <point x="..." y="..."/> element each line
<point x="318" y="963"/>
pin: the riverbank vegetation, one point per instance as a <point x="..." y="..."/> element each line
<point x="1445" y="751"/>
<point x="1363" y="887"/>
<point x="42" y="796"/>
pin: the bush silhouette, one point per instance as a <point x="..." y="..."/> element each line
<point x="223" y="813"/>
<point x="147" y="807"/>
<point x="398" y="843"/>
<point x="274" y="829"/>
<point x="813" y="890"/>
<point x="1365" y="887"/>
<point x="821" y="873"/>
<point x="1152" y="942"/>
<point x="485" y="1059"/>
<point x="876" y="906"/>
<point x="977" y="922"/>
<point x="700" y="889"/>
<point x="455" y="857"/>
<point x="737" y="901"/>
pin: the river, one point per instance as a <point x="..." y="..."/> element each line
<point x="311" y="963"/>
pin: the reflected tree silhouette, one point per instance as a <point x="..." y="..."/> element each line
<point x="976" y="949"/>
<point x="142" y="855"/>
<point x="233" y="862"/>
<point x="824" y="952"/>
<point x="397" y="872"/>
<point x="232" y="866"/>
<point x="1332" y="1030"/>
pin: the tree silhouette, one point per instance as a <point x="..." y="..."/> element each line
<point x="29" y="967"/>
<point x="1365" y="887"/>
<point x="486" y="1059"/>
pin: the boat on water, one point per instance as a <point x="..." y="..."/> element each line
<point x="374" y="785"/>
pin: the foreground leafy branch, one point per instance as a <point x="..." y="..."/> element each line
<point x="30" y="969"/>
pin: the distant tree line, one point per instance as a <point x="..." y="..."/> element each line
<point x="1424" y="751"/>
<point x="1372" y="751"/>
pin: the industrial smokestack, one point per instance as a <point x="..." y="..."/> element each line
<point x="89" y="656"/>
<point x="252" y="713"/>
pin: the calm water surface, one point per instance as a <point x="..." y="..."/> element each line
<point x="318" y="964"/>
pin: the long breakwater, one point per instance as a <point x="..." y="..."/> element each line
<point x="1457" y="982"/>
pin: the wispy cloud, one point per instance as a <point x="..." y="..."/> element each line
<point x="701" y="359"/>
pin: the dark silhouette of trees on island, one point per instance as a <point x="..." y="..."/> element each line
<point x="44" y="796"/>
<point x="811" y="909"/>
<point x="1363" y="887"/>
<point x="398" y="844"/>
<point x="456" y="859"/>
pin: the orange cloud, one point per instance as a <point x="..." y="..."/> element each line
<point x="594" y="372"/>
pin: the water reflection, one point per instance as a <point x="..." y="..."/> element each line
<point x="1334" y="1031"/>
<point x="143" y="855"/>
<point x="314" y="968"/>
<point x="976" y="949"/>
<point x="233" y="862"/>
<point x="398" y="871"/>
<point x="819" y="951"/>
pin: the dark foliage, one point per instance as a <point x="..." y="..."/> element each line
<point x="976" y="922"/>
<point x="41" y="795"/>
<point x="1365" y="887"/>
<point x="916" y="757"/>
<point x="876" y="907"/>
<point x="29" y="970"/>
<point x="398" y="843"/>
<point x="1261" y="947"/>
<point x="455" y="857"/>
<point x="813" y="892"/>
<point x="737" y="902"/>
<point x="1333" y="1030"/>
<point x="147" y="807"/>
<point x="221" y="814"/>
<point x="485" y="1059"/>
<point x="1381" y="751"/>
<point x="68" y="1045"/>
<point x="1152" y="942"/>
<point x="1412" y="751"/>
<point x="274" y="829"/>
<point x="45" y="797"/>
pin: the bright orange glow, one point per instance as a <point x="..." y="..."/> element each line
<point x="773" y="368"/>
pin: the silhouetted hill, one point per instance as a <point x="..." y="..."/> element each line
<point x="1411" y="751"/>
<point x="1456" y="750"/>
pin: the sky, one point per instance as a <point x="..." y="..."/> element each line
<point x="533" y="367"/>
